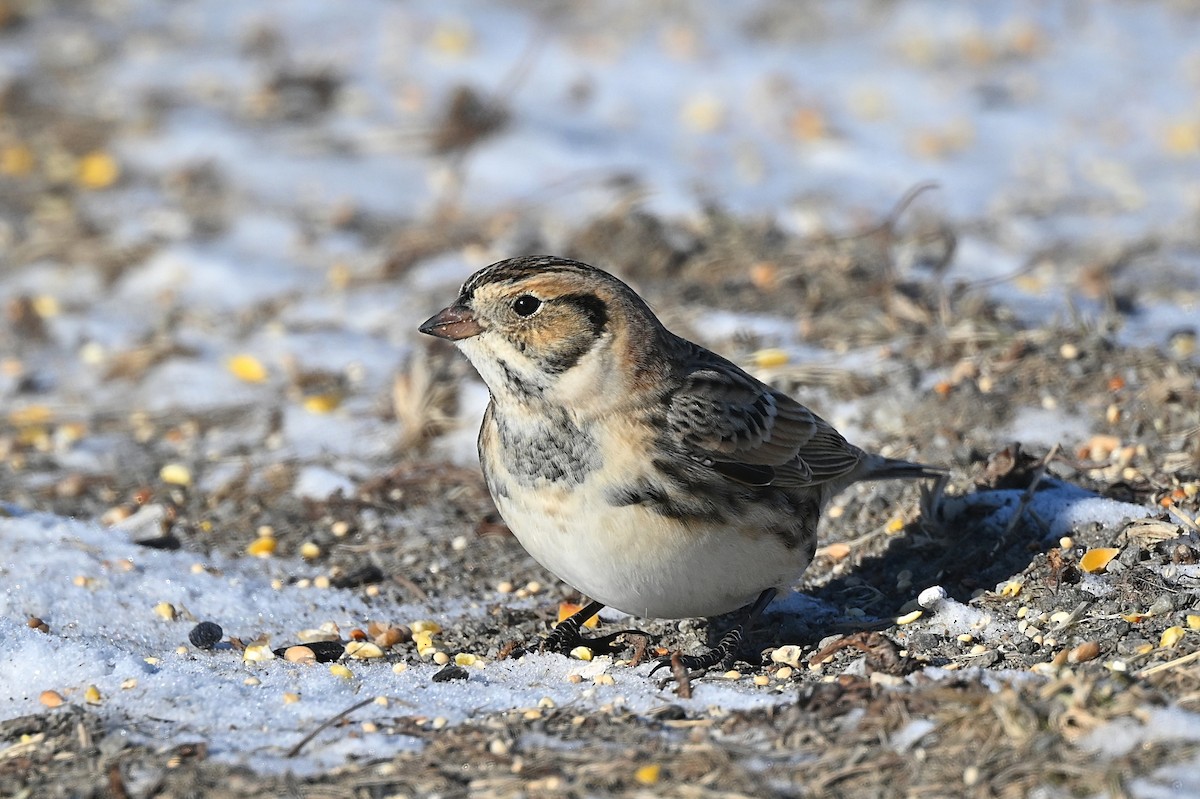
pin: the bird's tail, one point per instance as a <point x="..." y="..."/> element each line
<point x="877" y="467"/>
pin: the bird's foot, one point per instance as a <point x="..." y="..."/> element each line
<point x="725" y="652"/>
<point x="723" y="655"/>
<point x="568" y="635"/>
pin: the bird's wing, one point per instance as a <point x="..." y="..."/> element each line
<point x="750" y="432"/>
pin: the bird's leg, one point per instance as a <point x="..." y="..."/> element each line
<point x="566" y="636"/>
<point x="726" y="649"/>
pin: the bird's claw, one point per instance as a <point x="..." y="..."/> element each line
<point x="564" y="638"/>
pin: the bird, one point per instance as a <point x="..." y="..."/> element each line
<point x="646" y="472"/>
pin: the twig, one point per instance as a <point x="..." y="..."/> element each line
<point x="295" y="750"/>
<point x="1170" y="664"/>
<point x="683" y="681"/>
<point x="1027" y="497"/>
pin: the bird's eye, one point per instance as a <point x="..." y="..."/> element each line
<point x="526" y="305"/>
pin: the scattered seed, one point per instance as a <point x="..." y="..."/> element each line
<point x="770" y="357"/>
<point x="568" y="609"/>
<point x="425" y="626"/>
<point x="761" y="680"/>
<point x="582" y="653"/>
<point x="291" y="698"/>
<point x="1171" y="636"/>
<point x="310" y="551"/>
<point x="909" y="618"/>
<point x="784" y="673"/>
<point x="247" y="368"/>
<point x="262" y="547"/>
<point x="175" y="474"/>
<point x="1088" y="650"/>
<point x="603" y="679"/>
<point x="732" y="674"/>
<point x="1097" y="560"/>
<point x="256" y="653"/>
<point x="299" y="654"/>
<point x="465" y="659"/>
<point x="338" y="670"/>
<point x="51" y="698"/>
<point x="788" y="655"/>
<point x="648" y="774"/>
<point x="441" y="658"/>
<point x="92" y="695"/>
<point x="165" y="611"/>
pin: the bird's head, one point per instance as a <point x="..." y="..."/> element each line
<point x="550" y="328"/>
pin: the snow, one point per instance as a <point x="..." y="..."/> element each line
<point x="97" y="592"/>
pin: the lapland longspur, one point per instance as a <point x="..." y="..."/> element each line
<point x="643" y="470"/>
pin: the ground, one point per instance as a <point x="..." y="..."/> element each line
<point x="225" y="333"/>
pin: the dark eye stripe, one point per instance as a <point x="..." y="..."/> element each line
<point x="591" y="306"/>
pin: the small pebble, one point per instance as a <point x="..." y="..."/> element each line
<point x="604" y="679"/>
<point x="206" y="635"/>
<point x="575" y="678"/>
<point x="761" y="680"/>
<point x="450" y="672"/>
<point x="931" y="596"/>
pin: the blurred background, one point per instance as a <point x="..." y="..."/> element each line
<point x="238" y="213"/>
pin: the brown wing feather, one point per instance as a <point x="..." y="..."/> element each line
<point x="752" y="433"/>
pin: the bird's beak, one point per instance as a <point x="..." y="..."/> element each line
<point x="454" y="323"/>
